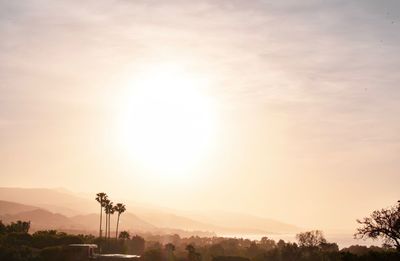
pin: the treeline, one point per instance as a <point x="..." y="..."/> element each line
<point x="16" y="244"/>
<point x="310" y="246"/>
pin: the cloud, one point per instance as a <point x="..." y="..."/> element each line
<point x="317" y="81"/>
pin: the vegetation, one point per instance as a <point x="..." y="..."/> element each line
<point x="119" y="208"/>
<point x="124" y="235"/>
<point x="106" y="210"/>
<point x="313" y="238"/>
<point x="384" y="223"/>
<point x="17" y="244"/>
<point x="109" y="210"/>
<point x="101" y="198"/>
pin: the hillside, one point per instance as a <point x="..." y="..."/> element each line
<point x="82" y="213"/>
<point x="50" y="199"/>
<point x="12" y="208"/>
<point x="128" y="221"/>
<point x="42" y="219"/>
<point x="254" y="225"/>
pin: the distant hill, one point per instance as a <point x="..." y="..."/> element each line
<point x="82" y="213"/>
<point x="42" y="219"/>
<point x="169" y="220"/>
<point x="247" y="224"/>
<point x="50" y="199"/>
<point x="128" y="221"/>
<point x="12" y="208"/>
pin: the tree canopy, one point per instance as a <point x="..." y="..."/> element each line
<point x="384" y="224"/>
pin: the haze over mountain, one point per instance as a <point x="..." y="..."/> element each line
<point x="52" y="208"/>
<point x="53" y="200"/>
<point x="12" y="208"/>
<point x="282" y="109"/>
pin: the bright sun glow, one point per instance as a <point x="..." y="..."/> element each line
<point x="168" y="124"/>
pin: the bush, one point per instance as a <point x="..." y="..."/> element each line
<point x="17" y="239"/>
<point x="52" y="254"/>
<point x="49" y="238"/>
<point x="15" y="253"/>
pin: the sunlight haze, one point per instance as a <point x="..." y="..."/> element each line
<point x="286" y="110"/>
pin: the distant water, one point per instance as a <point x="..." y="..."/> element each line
<point x="343" y="240"/>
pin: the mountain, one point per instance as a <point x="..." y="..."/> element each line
<point x="50" y="199"/>
<point x="128" y="221"/>
<point x="254" y="225"/>
<point x="83" y="213"/>
<point x="168" y="220"/>
<point x="45" y="219"/>
<point x="42" y="219"/>
<point x="12" y="208"/>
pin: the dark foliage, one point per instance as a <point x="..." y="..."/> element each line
<point x="18" y="245"/>
<point x="384" y="223"/>
<point x="50" y="238"/>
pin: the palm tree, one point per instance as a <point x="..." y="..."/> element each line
<point x="110" y="211"/>
<point x="106" y="207"/>
<point x="120" y="208"/>
<point x="105" y="203"/>
<point x="101" y="197"/>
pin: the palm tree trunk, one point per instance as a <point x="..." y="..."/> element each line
<point x="101" y="213"/>
<point x="116" y="232"/>
<point x="109" y="224"/>
<point x="105" y="234"/>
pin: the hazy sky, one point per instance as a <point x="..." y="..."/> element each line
<point x="305" y="98"/>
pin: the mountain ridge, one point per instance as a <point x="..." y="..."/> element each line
<point x="83" y="210"/>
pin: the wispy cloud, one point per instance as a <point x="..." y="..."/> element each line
<point x="322" y="76"/>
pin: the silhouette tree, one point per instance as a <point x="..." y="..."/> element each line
<point x="137" y="245"/>
<point x="120" y="208"/>
<point x="384" y="223"/>
<point x="281" y="244"/>
<point x="19" y="227"/>
<point x="267" y="243"/>
<point x="106" y="203"/>
<point x="110" y="210"/>
<point x="329" y="247"/>
<point x="124" y="235"/>
<point x="312" y="238"/>
<point x="101" y="197"/>
<point x="169" y="249"/>
<point x="3" y="228"/>
<point x="192" y="254"/>
<point x="190" y="248"/>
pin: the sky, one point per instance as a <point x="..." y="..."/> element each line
<point x="292" y="106"/>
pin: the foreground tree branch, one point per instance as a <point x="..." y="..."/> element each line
<point x="384" y="223"/>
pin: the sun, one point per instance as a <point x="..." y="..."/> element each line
<point x="168" y="123"/>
